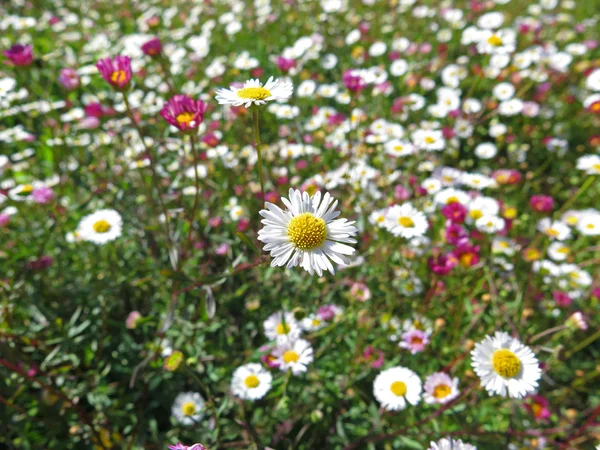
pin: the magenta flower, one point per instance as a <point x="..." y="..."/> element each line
<point x="285" y="64"/>
<point x="4" y="219"/>
<point x="360" y="292"/>
<point x="183" y="112"/>
<point x="455" y="212"/>
<point x="415" y="341"/>
<point x="43" y="195"/>
<point x="562" y="299"/>
<point x="20" y="55"/>
<point x="68" y="79"/>
<point x="507" y="176"/>
<point x="132" y="320"/>
<point x="466" y="254"/>
<point x="353" y="81"/>
<point x="153" y="47"/>
<point x="442" y="264"/>
<point x="539" y="408"/>
<point x="116" y="71"/>
<point x="180" y="446"/>
<point x="374" y="357"/>
<point x="455" y="234"/>
<point x="541" y="203"/>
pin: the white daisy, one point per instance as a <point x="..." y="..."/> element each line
<point x="282" y="327"/>
<point x="251" y="382"/>
<point x="450" y="444"/>
<point x="440" y="388"/>
<point x="589" y="223"/>
<point x="100" y="227"/>
<point x="506" y="366"/>
<point x="396" y="386"/>
<point x="405" y="220"/>
<point x="489" y="223"/>
<point x="188" y="408"/>
<point x="554" y="229"/>
<point x="294" y="356"/>
<point x="398" y="147"/>
<point x="312" y="323"/>
<point x="429" y="140"/>
<point x="254" y="93"/>
<point x="307" y="234"/>
<point x="589" y="163"/>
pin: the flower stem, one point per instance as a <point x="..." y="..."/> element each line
<point x="196" y="187"/>
<point x="258" y="151"/>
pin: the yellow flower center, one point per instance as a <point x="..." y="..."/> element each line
<point x="590" y="226"/>
<point x="306" y="231"/>
<point x="475" y="214"/>
<point x="495" y="40"/>
<point x="118" y="76"/>
<point x="380" y="219"/>
<point x="466" y="259"/>
<point x="251" y="381"/>
<point x="429" y="140"/>
<point x="398" y="388"/>
<point x="282" y="329"/>
<point x="316" y="322"/>
<point x="185" y="118"/>
<point x="441" y="391"/>
<point x="406" y="222"/>
<point x="505" y="363"/>
<point x="552" y="232"/>
<point x="254" y="93"/>
<point x="102" y="226"/>
<point x="536" y="409"/>
<point x="398" y="148"/>
<point x="596" y="167"/>
<point x="26" y="189"/>
<point x="189" y="408"/>
<point x="291" y="356"/>
<point x="563" y="250"/>
<point x="452" y="199"/>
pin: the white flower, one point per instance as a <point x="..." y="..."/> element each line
<point x="100" y="227"/>
<point x="558" y="251"/>
<point x="506" y="366"/>
<point x="396" y="386"/>
<point x="294" y="356"/>
<point x="307" y="234"/>
<point x="450" y="444"/>
<point x="188" y="408"/>
<point x="589" y="163"/>
<point x="489" y="223"/>
<point x="254" y="93"/>
<point x="554" y="230"/>
<point x="592" y="82"/>
<point x="406" y="221"/>
<point x="440" y="388"/>
<point x="503" y="91"/>
<point x="429" y="139"/>
<point x="312" y="323"/>
<point x="399" y="147"/>
<point x="281" y="327"/>
<point x="589" y="223"/>
<point x="251" y="382"/>
<point x="486" y="150"/>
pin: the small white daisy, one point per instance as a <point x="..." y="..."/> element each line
<point x="589" y="163"/>
<point x="188" y="408"/>
<point x="489" y="223"/>
<point x="307" y="234"/>
<point x="100" y="227"/>
<point x="589" y="223"/>
<point x="282" y="327"/>
<point x="396" y="386"/>
<point x="294" y="356"/>
<point x="251" y="382"/>
<point x="506" y="366"/>
<point x="405" y="220"/>
<point x="554" y="229"/>
<point x="440" y="388"/>
<point x="450" y="444"/>
<point x="253" y="93"/>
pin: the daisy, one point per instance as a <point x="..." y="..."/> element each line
<point x="312" y="323"/>
<point x="506" y="366"/>
<point x="253" y="93"/>
<point x="294" y="356"/>
<point x="397" y="147"/>
<point x="188" y="408"/>
<point x="406" y="221"/>
<point x="251" y="382"/>
<point x="589" y="163"/>
<point x="439" y="387"/>
<point x="589" y="223"/>
<point x="450" y="444"/>
<point x="282" y="327"/>
<point x="415" y="341"/>
<point x="554" y="230"/>
<point x="489" y="223"/>
<point x="396" y="386"/>
<point x="307" y="233"/>
<point x="100" y="227"/>
<point x="429" y="140"/>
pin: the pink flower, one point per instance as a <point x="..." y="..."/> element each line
<point x="455" y="212"/>
<point x="183" y="112"/>
<point x="20" y="55"/>
<point x="353" y="81"/>
<point x="562" y="299"/>
<point x="132" y="320"/>
<point x="466" y="254"/>
<point x="153" y="47"/>
<point x="222" y="249"/>
<point x="539" y="408"/>
<point x="541" y="203"/>
<point x="506" y="176"/>
<point x="442" y="264"/>
<point x="68" y="79"/>
<point x="374" y="356"/>
<point x="455" y="234"/>
<point x="4" y="219"/>
<point x="43" y="194"/>
<point x="360" y="292"/>
<point x="285" y="64"/>
<point x="180" y="446"/>
<point x="415" y="341"/>
<point x="116" y="71"/>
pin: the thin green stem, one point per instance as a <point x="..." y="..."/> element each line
<point x="196" y="186"/>
<point x="258" y="151"/>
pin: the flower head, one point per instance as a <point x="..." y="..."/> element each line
<point x="152" y="48"/>
<point x="450" y="444"/>
<point x="251" y="382"/>
<point x="397" y="386"/>
<point x="188" y="408"/>
<point x="440" y="388"/>
<point x="68" y="79"/>
<point x="20" y="55"/>
<point x="183" y="112"/>
<point x="100" y="227"/>
<point x="254" y="93"/>
<point x="116" y="71"/>
<point x="307" y="234"/>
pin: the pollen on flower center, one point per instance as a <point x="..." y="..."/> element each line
<point x="185" y="117"/>
<point x="506" y="363"/>
<point x="495" y="40"/>
<point x="476" y="214"/>
<point x="291" y="356"/>
<point x="102" y="226"/>
<point x="118" y="76"/>
<point x="441" y="391"/>
<point x="254" y="93"/>
<point x="398" y="388"/>
<point x="282" y="329"/>
<point x="27" y="189"/>
<point x="189" y="408"/>
<point x="429" y="140"/>
<point x="251" y="381"/>
<point x="406" y="221"/>
<point x="306" y="231"/>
